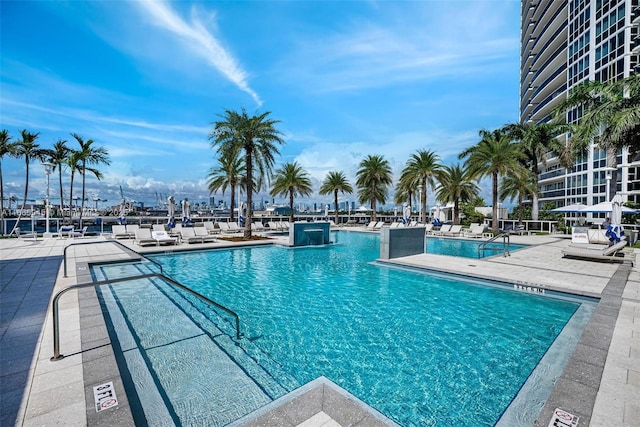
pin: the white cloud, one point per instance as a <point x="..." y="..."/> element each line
<point x="196" y="37"/>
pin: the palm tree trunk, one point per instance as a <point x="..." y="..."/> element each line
<point x="24" y="200"/>
<point x="233" y="202"/>
<point x="291" y="218"/>
<point x="423" y="201"/>
<point x="61" y="195"/>
<point x="71" y="197"/>
<point x="373" y="202"/>
<point x="612" y="162"/>
<point x="494" y="185"/>
<point x="84" y="176"/>
<point x="535" y="210"/>
<point x="335" y="205"/>
<point x="456" y="212"/>
<point x="520" y="209"/>
<point x="248" y="218"/>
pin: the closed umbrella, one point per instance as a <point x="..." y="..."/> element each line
<point x="615" y="230"/>
<point x="186" y="212"/>
<point x="122" y="218"/>
<point x="406" y="214"/>
<point x="171" y="210"/>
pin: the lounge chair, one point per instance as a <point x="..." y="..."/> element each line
<point x="428" y="229"/>
<point x="477" y="232"/>
<point x="443" y="229"/>
<point x="131" y="229"/>
<point x="158" y="227"/>
<point x="285" y="225"/>
<point x="211" y="227"/>
<point x="608" y="253"/>
<point x="119" y="232"/>
<point x="21" y="234"/>
<point x="189" y="235"/>
<point x="371" y="225"/>
<point x="163" y="238"/>
<point x="378" y="225"/>
<point x="257" y="226"/>
<point x="64" y="230"/>
<point x="234" y="227"/>
<point x="144" y="238"/>
<point x="79" y="233"/>
<point x="455" y="230"/>
<point x="204" y="235"/>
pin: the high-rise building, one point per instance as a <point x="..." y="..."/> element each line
<point x="563" y="43"/>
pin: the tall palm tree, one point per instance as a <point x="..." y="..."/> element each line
<point x="372" y="179"/>
<point x="518" y="186"/>
<point x="291" y="179"/>
<point x="494" y="156"/>
<point x="229" y="174"/>
<point x="258" y="138"/>
<point x="610" y="118"/>
<point x="335" y="182"/>
<point x="59" y="157"/>
<point x="536" y="140"/>
<point x="6" y="148"/>
<point x="29" y="149"/>
<point x="456" y="185"/>
<point x="89" y="155"/>
<point x="405" y="190"/>
<point x="421" y="170"/>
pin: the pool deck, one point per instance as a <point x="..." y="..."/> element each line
<point x="601" y="383"/>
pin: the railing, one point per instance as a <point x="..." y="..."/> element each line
<point x="56" y="314"/>
<point x="506" y="243"/>
<point x="107" y="241"/>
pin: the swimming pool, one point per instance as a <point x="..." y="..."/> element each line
<point x="423" y="349"/>
<point x="466" y="248"/>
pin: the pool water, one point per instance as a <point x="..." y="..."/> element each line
<point x="423" y="349"/>
<point x="466" y="248"/>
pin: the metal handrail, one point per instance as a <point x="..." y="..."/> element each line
<point x="506" y="244"/>
<point x="106" y="241"/>
<point x="56" y="315"/>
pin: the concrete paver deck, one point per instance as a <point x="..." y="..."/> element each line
<point x="29" y="269"/>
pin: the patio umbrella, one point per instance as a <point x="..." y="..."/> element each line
<point x="326" y="212"/>
<point x="576" y="207"/>
<point x="605" y="207"/>
<point x="171" y="210"/>
<point x="395" y="213"/>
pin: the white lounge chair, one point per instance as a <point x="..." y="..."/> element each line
<point x="204" y="235"/>
<point x="144" y="238"/>
<point x="79" y="233"/>
<point x="21" y="234"/>
<point x="608" y="253"/>
<point x="64" y="230"/>
<point x="455" y="230"/>
<point x="131" y="229"/>
<point x="428" y="229"/>
<point x="189" y="235"/>
<point x="163" y="238"/>
<point x="211" y="227"/>
<point x="235" y="228"/>
<point x="257" y="226"/>
<point x="158" y="227"/>
<point x="477" y="232"/>
<point x="443" y="229"/>
<point x="119" y="232"/>
<point x="371" y="225"/>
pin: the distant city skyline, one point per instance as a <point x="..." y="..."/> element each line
<point x="147" y="79"/>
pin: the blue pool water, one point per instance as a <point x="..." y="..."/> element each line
<point x="423" y="349"/>
<point x="466" y="248"/>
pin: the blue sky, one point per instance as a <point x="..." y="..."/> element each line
<point x="146" y="80"/>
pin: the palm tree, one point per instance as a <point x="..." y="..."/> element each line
<point x="495" y="155"/>
<point x="420" y="170"/>
<point x="404" y="191"/>
<point x="229" y="174"/>
<point x="518" y="186"/>
<point x="59" y="157"/>
<point x="335" y="181"/>
<point x="258" y="138"/>
<point x="89" y="155"/>
<point x="536" y="140"/>
<point x="29" y="149"/>
<point x="610" y="118"/>
<point x="291" y="179"/>
<point x="456" y="185"/>
<point x="6" y="148"/>
<point x="372" y="180"/>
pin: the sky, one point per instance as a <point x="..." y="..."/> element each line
<point x="147" y="79"/>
